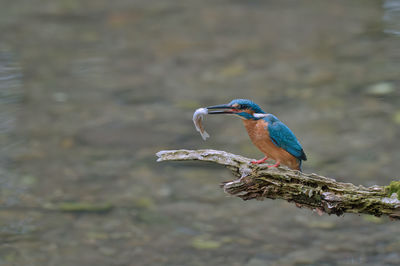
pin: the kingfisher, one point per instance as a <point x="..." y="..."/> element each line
<point x="267" y="133"/>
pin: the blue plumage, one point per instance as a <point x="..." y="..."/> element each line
<point x="247" y="104"/>
<point x="283" y="137"/>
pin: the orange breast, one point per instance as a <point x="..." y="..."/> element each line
<point x="258" y="132"/>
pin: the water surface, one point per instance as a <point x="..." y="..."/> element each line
<point x="91" y="90"/>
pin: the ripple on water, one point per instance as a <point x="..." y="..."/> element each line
<point x="391" y="16"/>
<point x="10" y="97"/>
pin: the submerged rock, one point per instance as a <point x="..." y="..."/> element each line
<point x="380" y="89"/>
<point x="203" y="243"/>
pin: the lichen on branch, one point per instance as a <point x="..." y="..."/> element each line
<point x="319" y="193"/>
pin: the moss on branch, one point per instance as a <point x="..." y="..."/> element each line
<point x="394" y="187"/>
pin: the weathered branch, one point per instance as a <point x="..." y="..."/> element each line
<point x="319" y="193"/>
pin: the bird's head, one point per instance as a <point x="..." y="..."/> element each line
<point x="243" y="108"/>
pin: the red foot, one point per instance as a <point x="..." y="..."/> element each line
<point x="275" y="165"/>
<point x="260" y="161"/>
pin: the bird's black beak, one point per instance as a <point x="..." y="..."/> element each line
<point x="228" y="109"/>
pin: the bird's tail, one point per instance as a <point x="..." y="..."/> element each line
<point x="300" y="166"/>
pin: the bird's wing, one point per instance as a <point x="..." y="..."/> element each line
<point x="283" y="137"/>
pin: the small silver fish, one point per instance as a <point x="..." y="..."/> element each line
<point x="198" y="117"/>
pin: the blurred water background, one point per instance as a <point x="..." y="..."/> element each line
<point x="91" y="90"/>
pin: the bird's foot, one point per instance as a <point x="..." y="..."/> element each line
<point x="260" y="161"/>
<point x="275" y="165"/>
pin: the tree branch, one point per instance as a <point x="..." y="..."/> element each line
<point x="322" y="194"/>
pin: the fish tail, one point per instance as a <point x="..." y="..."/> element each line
<point x="204" y="135"/>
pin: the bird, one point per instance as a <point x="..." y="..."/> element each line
<point x="271" y="136"/>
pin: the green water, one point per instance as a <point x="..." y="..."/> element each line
<point x="91" y="90"/>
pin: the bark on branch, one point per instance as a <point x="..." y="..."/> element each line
<point x="319" y="193"/>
